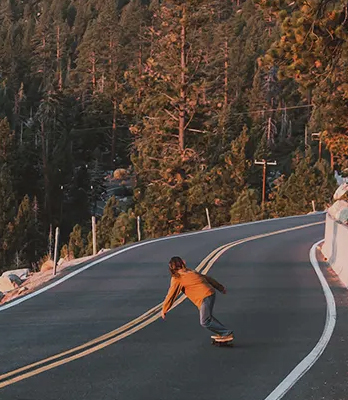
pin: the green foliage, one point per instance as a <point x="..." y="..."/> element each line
<point x="106" y="224"/>
<point x="307" y="183"/>
<point x="7" y="196"/>
<point x="6" y="216"/>
<point x="218" y="188"/>
<point x="64" y="251"/>
<point x="187" y="94"/>
<point x="246" y="207"/>
<point x="312" y="50"/>
<point x="124" y="229"/>
<point x="27" y="236"/>
<point x="76" y="245"/>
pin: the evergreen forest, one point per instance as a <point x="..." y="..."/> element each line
<point x="192" y="98"/>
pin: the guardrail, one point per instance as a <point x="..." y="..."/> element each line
<point x="335" y="247"/>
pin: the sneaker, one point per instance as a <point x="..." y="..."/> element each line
<point x="227" y="338"/>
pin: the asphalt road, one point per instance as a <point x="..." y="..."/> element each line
<point x="275" y="305"/>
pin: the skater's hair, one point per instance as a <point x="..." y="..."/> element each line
<point x="175" y="264"/>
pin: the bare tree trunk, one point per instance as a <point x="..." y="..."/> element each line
<point x="94" y="79"/>
<point x="140" y="67"/>
<point x="44" y="79"/>
<point x="182" y="112"/>
<point x="111" y="46"/>
<point x="226" y="74"/>
<point x="45" y="170"/>
<point x="59" y="61"/>
<point x="113" y="137"/>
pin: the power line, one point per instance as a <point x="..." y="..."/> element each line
<point x="194" y="130"/>
<point x="243" y="113"/>
<point x="275" y="109"/>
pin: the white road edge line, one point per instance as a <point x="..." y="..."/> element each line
<point x="297" y="373"/>
<point x="78" y="271"/>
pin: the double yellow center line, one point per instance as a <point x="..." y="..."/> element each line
<point x="128" y="329"/>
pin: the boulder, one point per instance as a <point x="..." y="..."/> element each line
<point x="8" y="283"/>
<point x="22" y="290"/>
<point x="120" y="173"/>
<point x="16" y="280"/>
<point x="61" y="261"/>
<point x="22" y="273"/>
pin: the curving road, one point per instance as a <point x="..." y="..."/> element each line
<point x="275" y="304"/>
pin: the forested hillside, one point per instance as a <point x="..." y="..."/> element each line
<point x="185" y="95"/>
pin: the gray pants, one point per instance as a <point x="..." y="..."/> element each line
<point x="208" y="321"/>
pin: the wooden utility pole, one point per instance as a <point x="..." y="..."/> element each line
<point x="50" y="242"/>
<point x="94" y="236"/>
<point x="264" y="163"/>
<point x="138" y="228"/>
<point x="55" y="252"/>
<point x="208" y="218"/>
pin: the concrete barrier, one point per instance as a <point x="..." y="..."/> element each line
<point x="335" y="247"/>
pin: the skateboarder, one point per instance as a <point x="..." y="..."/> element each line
<point x="200" y="289"/>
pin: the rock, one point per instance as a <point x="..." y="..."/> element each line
<point x="22" y="273"/>
<point x="8" y="283"/>
<point x="16" y="280"/>
<point x="22" y="290"/>
<point x="5" y="284"/>
<point x="60" y="262"/>
<point x="120" y="173"/>
<point x="101" y="251"/>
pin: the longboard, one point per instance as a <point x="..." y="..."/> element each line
<point x="219" y="343"/>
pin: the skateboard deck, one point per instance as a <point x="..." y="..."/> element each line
<point x="219" y="343"/>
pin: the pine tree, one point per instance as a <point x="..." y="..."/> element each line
<point x="311" y="51"/>
<point x="96" y="180"/>
<point x="76" y="245"/>
<point x="218" y="188"/>
<point x="27" y="236"/>
<point x="246" y="208"/>
<point x="171" y="137"/>
<point x="7" y="213"/>
<point x="307" y="183"/>
<point x="106" y="223"/>
<point x="7" y="196"/>
<point x="124" y="229"/>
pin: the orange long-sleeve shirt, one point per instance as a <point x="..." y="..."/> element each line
<point x="195" y="285"/>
